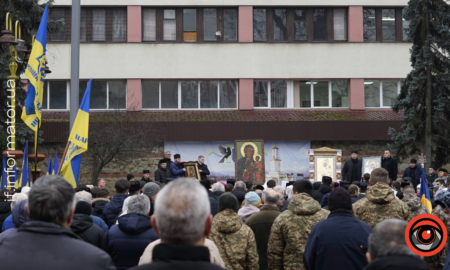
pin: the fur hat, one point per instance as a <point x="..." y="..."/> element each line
<point x="442" y="198"/>
<point x="146" y="171"/>
<point x="327" y="180"/>
<point x="176" y="156"/>
<point x="130" y="176"/>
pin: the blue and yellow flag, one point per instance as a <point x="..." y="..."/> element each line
<point x="49" y="167"/>
<point x="35" y="72"/>
<point x="55" y="164"/>
<point x="424" y="193"/>
<point x="24" y="180"/>
<point x="78" y="141"/>
<point x="4" y="182"/>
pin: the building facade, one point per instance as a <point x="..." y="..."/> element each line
<point x="287" y="70"/>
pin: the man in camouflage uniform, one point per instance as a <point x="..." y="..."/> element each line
<point x="437" y="261"/>
<point x="291" y="229"/>
<point x="414" y="203"/>
<point x="380" y="202"/>
<point x="235" y="240"/>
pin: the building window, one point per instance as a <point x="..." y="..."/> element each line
<point x="279" y="24"/>
<point x="270" y="94"/>
<point x="103" y="24"/>
<point x="300" y="24"/>
<point x="259" y="24"/>
<point x="325" y="94"/>
<point x="189" y="94"/>
<point x="230" y="24"/>
<point x="170" y="25"/>
<point x="58" y="14"/>
<point x="149" y="24"/>
<point x="189" y="25"/>
<point x="405" y="25"/>
<point x="106" y="95"/>
<point x="209" y="24"/>
<point x="384" y="25"/>
<point x="380" y="93"/>
<point x="55" y="96"/>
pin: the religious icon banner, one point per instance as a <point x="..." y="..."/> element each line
<point x="249" y="163"/>
<point x="191" y="170"/>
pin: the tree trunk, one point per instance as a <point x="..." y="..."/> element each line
<point x="428" y="104"/>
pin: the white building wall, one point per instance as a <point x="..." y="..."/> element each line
<point x="237" y="60"/>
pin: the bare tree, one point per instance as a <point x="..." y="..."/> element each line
<point x="117" y="134"/>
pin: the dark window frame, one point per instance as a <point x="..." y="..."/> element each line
<point x="179" y="25"/>
<point x="379" y="25"/>
<point x="89" y="25"/>
<point x="290" y="29"/>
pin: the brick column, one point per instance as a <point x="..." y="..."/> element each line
<point x="245" y="24"/>
<point x="246" y="94"/>
<point x="134" y="24"/>
<point x="355" y="24"/>
<point x="356" y="95"/>
<point x="134" y="95"/>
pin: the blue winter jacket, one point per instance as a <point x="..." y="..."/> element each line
<point x="417" y="176"/>
<point x="101" y="223"/>
<point x="127" y="241"/>
<point x="175" y="172"/>
<point x="113" y="208"/>
<point x="214" y="201"/>
<point x="340" y="240"/>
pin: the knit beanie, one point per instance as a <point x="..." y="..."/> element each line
<point x="83" y="208"/>
<point x="228" y="201"/>
<point x="253" y="199"/>
<point x="339" y="198"/>
<point x="151" y="189"/>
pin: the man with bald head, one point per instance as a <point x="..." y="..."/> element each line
<point x="261" y="223"/>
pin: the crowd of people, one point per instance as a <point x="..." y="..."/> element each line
<point x="184" y="223"/>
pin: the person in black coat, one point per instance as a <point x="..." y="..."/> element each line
<point x="388" y="249"/>
<point x="127" y="240"/>
<point x="166" y="159"/>
<point x="217" y="190"/>
<point x="203" y="168"/>
<point x="83" y="226"/>
<point x="354" y="192"/>
<point x="317" y="195"/>
<point x="325" y="187"/>
<point x="352" y="168"/>
<point x="414" y="172"/>
<point x="390" y="164"/>
<point x="5" y="206"/>
<point x="146" y="176"/>
<point x="99" y="203"/>
<point x="341" y="239"/>
<point x="162" y="174"/>
<point x="45" y="241"/>
<point x="114" y="207"/>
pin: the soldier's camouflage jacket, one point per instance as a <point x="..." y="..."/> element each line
<point x="235" y="241"/>
<point x="290" y="232"/>
<point x="380" y="204"/>
<point x="415" y="205"/>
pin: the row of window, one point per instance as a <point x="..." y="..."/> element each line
<point x="223" y="94"/>
<point x="221" y="24"/>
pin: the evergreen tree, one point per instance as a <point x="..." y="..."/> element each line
<point x="425" y="94"/>
<point x="29" y="13"/>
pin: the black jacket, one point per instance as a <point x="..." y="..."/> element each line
<point x="97" y="206"/>
<point x="162" y="175"/>
<point x="261" y="225"/>
<point x="417" y="174"/>
<point x="127" y="241"/>
<point x="391" y="166"/>
<point x="168" y="161"/>
<point x="347" y="171"/>
<point x="214" y="201"/>
<point x="205" y="172"/>
<point x="354" y="198"/>
<point x="43" y="245"/>
<point x="146" y="180"/>
<point x="179" y="257"/>
<point x="341" y="237"/>
<point x="240" y="195"/>
<point x="5" y="211"/>
<point x="396" y="262"/>
<point x="431" y="178"/>
<point x="318" y="194"/>
<point x="113" y="208"/>
<point x="83" y="226"/>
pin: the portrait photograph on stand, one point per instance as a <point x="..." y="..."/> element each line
<point x="249" y="163"/>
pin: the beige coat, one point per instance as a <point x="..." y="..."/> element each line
<point x="213" y="251"/>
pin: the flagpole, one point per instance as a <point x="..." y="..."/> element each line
<point x="63" y="157"/>
<point x="36" y="137"/>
